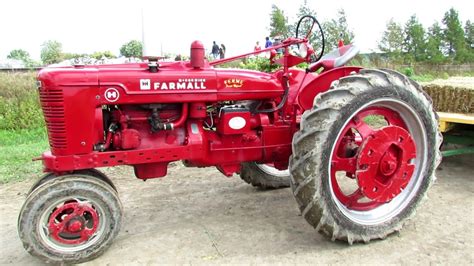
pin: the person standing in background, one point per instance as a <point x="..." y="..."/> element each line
<point x="276" y="42"/>
<point x="268" y="43"/>
<point x="257" y="47"/>
<point x="215" y="50"/>
<point x="222" y="51"/>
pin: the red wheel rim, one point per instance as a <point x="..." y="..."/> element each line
<point x="379" y="160"/>
<point x="73" y="222"/>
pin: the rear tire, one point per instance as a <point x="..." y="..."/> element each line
<point x="316" y="187"/>
<point x="264" y="176"/>
<point x="70" y="219"/>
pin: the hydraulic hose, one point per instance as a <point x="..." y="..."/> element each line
<point x="173" y="125"/>
<point x="283" y="100"/>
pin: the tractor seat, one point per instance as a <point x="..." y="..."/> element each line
<point x="336" y="58"/>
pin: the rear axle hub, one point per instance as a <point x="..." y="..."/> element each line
<point x="384" y="165"/>
<point x="388" y="164"/>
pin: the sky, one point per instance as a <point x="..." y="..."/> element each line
<point x="170" y="26"/>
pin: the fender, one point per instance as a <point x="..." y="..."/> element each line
<point x="321" y="84"/>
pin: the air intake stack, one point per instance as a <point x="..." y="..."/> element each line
<point x="197" y="54"/>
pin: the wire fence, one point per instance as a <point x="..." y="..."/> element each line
<point x="22" y="69"/>
<point x="451" y="69"/>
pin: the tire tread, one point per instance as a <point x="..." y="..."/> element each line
<point x="314" y="129"/>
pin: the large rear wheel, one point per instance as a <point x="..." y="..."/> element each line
<point x="365" y="156"/>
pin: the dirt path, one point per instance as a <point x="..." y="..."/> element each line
<point x="197" y="216"/>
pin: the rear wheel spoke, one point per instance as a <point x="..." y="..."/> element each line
<point x="344" y="164"/>
<point x="363" y="129"/>
<point x="354" y="197"/>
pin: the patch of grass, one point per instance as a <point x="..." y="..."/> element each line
<point x="17" y="148"/>
<point x="375" y="121"/>
<point x="408" y="71"/>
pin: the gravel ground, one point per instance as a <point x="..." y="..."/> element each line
<point x="198" y="216"/>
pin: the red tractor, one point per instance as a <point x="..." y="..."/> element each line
<point x="359" y="147"/>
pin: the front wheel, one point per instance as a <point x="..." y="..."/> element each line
<point x="88" y="172"/>
<point x="365" y="156"/>
<point x="70" y="219"/>
<point x="265" y="176"/>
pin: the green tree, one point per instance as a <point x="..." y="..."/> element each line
<point x="69" y="56"/>
<point x="414" y="43"/>
<point x="106" y="54"/>
<point x="303" y="10"/>
<point x="455" y="43"/>
<point x="337" y="29"/>
<point x="133" y="48"/>
<point x="278" y="23"/>
<point x="469" y="36"/>
<point x="51" y="52"/>
<point x="392" y="40"/>
<point x="315" y="38"/>
<point x="20" y="54"/>
<point x="434" y="44"/>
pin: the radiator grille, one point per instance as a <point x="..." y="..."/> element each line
<point x="52" y="103"/>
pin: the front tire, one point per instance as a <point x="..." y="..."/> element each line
<point x="70" y="219"/>
<point x="264" y="176"/>
<point x="356" y="182"/>
<point x="89" y="172"/>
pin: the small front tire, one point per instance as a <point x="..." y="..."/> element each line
<point x="70" y="219"/>
<point x="89" y="172"/>
<point x="264" y="176"/>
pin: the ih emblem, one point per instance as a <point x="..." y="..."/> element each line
<point x="234" y="83"/>
<point x="111" y="95"/>
<point x="145" y="84"/>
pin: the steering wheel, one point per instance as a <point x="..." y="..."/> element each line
<point x="309" y="31"/>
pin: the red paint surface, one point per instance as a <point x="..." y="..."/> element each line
<point x="73" y="223"/>
<point x="73" y="98"/>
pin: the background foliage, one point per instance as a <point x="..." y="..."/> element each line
<point x="132" y="49"/>
<point x="51" y="52"/>
<point x="19" y="104"/>
<point x="447" y="42"/>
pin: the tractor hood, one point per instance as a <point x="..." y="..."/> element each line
<point x="173" y="82"/>
<point x="178" y="78"/>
